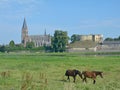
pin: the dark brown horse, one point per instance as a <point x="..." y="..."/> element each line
<point x="73" y="73"/>
<point x="91" y="74"/>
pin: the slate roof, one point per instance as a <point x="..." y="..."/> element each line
<point x="39" y="37"/>
<point x="111" y="42"/>
<point x="24" y="27"/>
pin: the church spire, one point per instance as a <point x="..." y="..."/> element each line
<point x="24" y="36"/>
<point x="24" y="27"/>
<point x="45" y="32"/>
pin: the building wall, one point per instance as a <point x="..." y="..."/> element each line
<point x="98" y="38"/>
<point x="95" y="38"/>
<point x="40" y="40"/>
<point x="85" y="37"/>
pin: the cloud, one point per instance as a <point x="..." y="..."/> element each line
<point x="18" y="8"/>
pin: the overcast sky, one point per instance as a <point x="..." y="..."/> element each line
<point x="73" y="16"/>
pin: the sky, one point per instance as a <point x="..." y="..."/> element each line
<point x="74" y="16"/>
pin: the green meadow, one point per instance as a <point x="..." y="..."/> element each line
<point x="46" y="71"/>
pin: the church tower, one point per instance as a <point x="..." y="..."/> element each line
<point x="45" y="33"/>
<point x="24" y="36"/>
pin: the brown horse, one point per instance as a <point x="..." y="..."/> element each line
<point x="91" y="74"/>
<point x="73" y="73"/>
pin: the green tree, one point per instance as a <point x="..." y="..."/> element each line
<point x="59" y="41"/>
<point x="12" y="44"/>
<point x="30" y="45"/>
<point x="2" y="48"/>
<point x="119" y="38"/>
<point x="112" y="39"/>
<point x="109" y="39"/>
<point x="74" y="38"/>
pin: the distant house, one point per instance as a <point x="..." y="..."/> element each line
<point x="38" y="40"/>
<point x="111" y="43"/>
<point x="86" y="43"/>
<point x="110" y="46"/>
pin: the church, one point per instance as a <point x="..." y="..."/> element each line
<point x="38" y="40"/>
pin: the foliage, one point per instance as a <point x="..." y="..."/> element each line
<point x="2" y="48"/>
<point x="109" y="39"/>
<point x="17" y="47"/>
<point x="30" y="45"/>
<point x="37" y="49"/>
<point x="20" y="47"/>
<point x="11" y="44"/>
<point x="47" y="48"/>
<point x="59" y="41"/>
<point x="112" y="39"/>
<point x="74" y="37"/>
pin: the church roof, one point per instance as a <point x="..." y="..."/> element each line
<point x="24" y="27"/>
<point x="39" y="37"/>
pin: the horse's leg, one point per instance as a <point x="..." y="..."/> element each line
<point x="84" y="79"/>
<point x="74" y="79"/>
<point x="101" y="75"/>
<point x="68" y="78"/>
<point x="94" y="81"/>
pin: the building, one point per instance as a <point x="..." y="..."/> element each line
<point x="38" y="40"/>
<point x="112" y="44"/>
<point x="96" y="38"/>
<point x="109" y="46"/>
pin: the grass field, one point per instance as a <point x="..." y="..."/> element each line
<point x="45" y="71"/>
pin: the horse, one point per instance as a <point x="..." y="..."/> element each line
<point x="91" y="74"/>
<point x="98" y="73"/>
<point x="73" y="73"/>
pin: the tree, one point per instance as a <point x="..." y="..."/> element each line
<point x="119" y="37"/>
<point x="11" y="44"/>
<point x="30" y="45"/>
<point x="112" y="39"/>
<point x="108" y="39"/>
<point x="74" y="38"/>
<point x="59" y="41"/>
<point x="2" y="48"/>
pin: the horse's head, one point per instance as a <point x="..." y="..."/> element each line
<point x="98" y="73"/>
<point x="101" y="74"/>
<point x="79" y="73"/>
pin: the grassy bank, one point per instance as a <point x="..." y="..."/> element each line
<point x="46" y="71"/>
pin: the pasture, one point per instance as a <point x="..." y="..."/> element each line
<point x="46" y="71"/>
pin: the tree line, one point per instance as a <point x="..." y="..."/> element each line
<point x="59" y="43"/>
<point x="112" y="39"/>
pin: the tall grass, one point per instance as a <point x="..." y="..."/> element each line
<point x="45" y="71"/>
